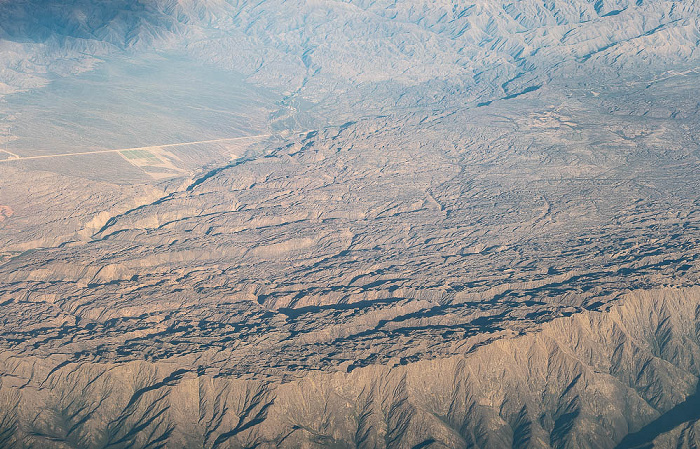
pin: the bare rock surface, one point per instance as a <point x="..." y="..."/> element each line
<point x="349" y="224"/>
<point x="374" y="235"/>
<point x="582" y="381"/>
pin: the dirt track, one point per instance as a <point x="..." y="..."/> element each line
<point x="47" y="156"/>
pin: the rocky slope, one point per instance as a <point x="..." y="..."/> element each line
<point x="578" y="382"/>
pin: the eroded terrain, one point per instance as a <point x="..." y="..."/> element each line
<point x="478" y="229"/>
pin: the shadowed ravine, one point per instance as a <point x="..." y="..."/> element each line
<point x="683" y="413"/>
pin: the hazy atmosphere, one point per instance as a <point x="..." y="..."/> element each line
<point x="368" y="224"/>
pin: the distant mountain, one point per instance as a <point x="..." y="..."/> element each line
<point x="361" y="55"/>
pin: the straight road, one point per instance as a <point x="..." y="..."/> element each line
<point x="152" y="147"/>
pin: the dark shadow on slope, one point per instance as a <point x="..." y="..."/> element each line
<point x="215" y="172"/>
<point x="117" y="22"/>
<point x="686" y="411"/>
<point x="511" y="96"/>
<point x="424" y="444"/>
<point x="523" y="92"/>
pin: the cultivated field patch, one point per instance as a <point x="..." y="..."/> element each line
<point x="155" y="161"/>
